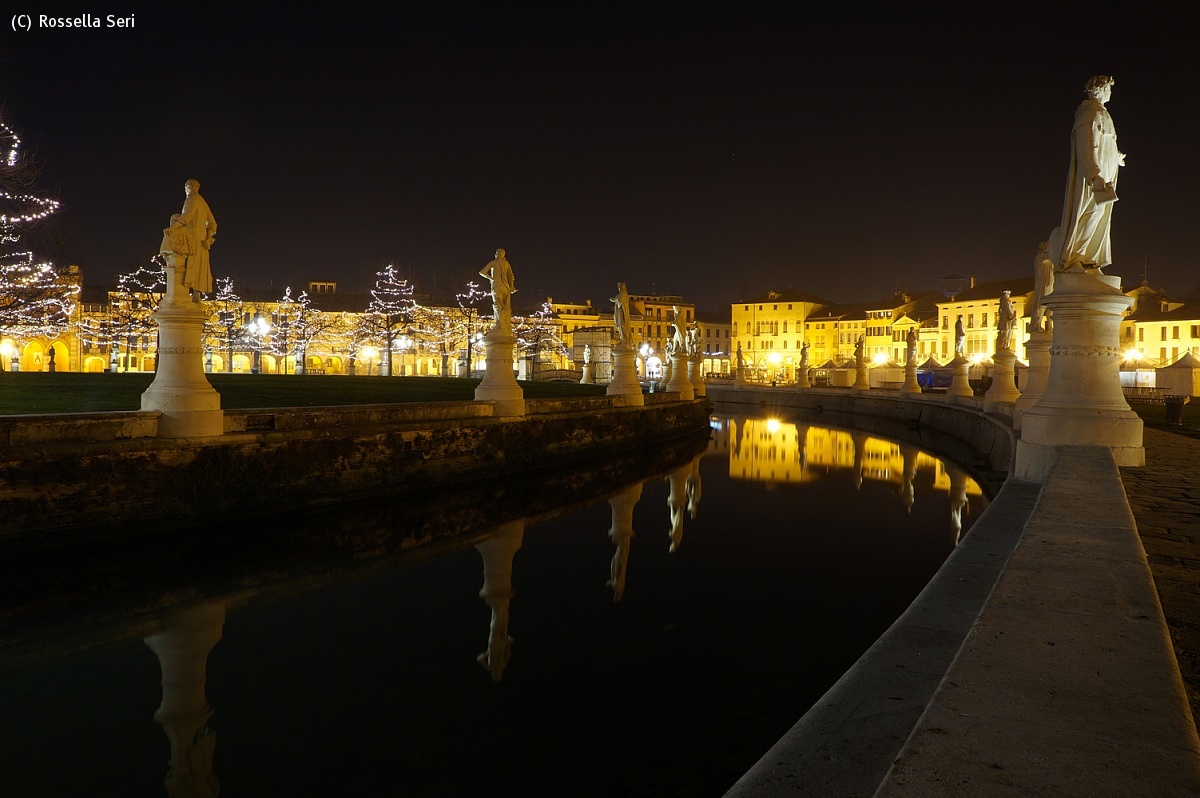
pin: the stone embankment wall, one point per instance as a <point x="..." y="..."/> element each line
<point x="69" y="477"/>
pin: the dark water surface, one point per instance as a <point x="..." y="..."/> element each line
<point x="801" y="552"/>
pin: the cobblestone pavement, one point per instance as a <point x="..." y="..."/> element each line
<point x="1165" y="497"/>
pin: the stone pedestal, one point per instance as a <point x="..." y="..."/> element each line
<point x="1037" y="348"/>
<point x="190" y="406"/>
<point x="499" y="385"/>
<point x="1004" y="385"/>
<point x="960" y="382"/>
<point x="1082" y="404"/>
<point x="695" y="369"/>
<point x="910" y="377"/>
<point x="679" y="378"/>
<point x="498" y="552"/>
<point x="621" y="533"/>
<point x="587" y="377"/>
<point x="862" y="377"/>
<point x="624" y="379"/>
<point x="182" y="648"/>
<point x="802" y="377"/>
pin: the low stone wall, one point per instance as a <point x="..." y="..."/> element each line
<point x="67" y="478"/>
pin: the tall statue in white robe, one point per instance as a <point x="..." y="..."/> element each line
<point x="1091" y="184"/>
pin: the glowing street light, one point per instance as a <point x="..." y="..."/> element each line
<point x="7" y="350"/>
<point x="370" y="353"/>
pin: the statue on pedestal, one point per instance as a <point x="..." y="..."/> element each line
<point x="859" y="355"/>
<point x="621" y="315"/>
<point x="1005" y="320"/>
<point x="197" y="219"/>
<point x="500" y="274"/>
<point x="960" y="339"/>
<point x="911" y="342"/>
<point x="1043" y="284"/>
<point x="1091" y="184"/>
<point x="804" y="356"/>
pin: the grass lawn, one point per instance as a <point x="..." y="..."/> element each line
<point x="40" y="392"/>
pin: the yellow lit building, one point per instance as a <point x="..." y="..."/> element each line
<point x="770" y="331"/>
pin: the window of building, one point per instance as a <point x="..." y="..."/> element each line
<point x="984" y="322"/>
<point x="970" y="319"/>
<point x="785" y="327"/>
<point x="945" y="322"/>
<point x="1141" y="334"/>
<point x="1175" y="331"/>
<point x="1163" y="335"/>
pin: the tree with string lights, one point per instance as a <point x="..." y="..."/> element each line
<point x="224" y="322"/>
<point x="296" y="325"/>
<point x="37" y="298"/>
<point x="538" y="336"/>
<point x="389" y="312"/>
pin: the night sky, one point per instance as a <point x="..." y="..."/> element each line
<point x="847" y="153"/>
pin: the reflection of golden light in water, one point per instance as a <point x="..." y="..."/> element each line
<point x="771" y="451"/>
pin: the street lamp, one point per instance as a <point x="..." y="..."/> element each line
<point x="775" y="359"/>
<point x="369" y="352"/>
<point x="257" y="329"/>
<point x="405" y="343"/>
<point x="645" y="351"/>
<point x="7" y="350"/>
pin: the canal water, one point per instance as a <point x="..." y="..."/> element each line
<point x="645" y="627"/>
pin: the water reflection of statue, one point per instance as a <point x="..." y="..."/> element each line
<point x="676" y="501"/>
<point x="500" y="274"/>
<point x="182" y="648"/>
<point x="1043" y="284"/>
<point x="693" y="488"/>
<point x="958" y="501"/>
<point x="1091" y="183"/>
<point x="960" y="339"/>
<point x="621" y="532"/>
<point x="1005" y="320"/>
<point x="498" y="552"/>
<point x="909" y="493"/>
<point x="621" y="315"/>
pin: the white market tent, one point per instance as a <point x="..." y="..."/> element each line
<point x="1181" y="378"/>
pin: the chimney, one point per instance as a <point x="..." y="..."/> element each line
<point x="972" y="281"/>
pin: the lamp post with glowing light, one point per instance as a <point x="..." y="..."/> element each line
<point x="369" y="352"/>
<point x="9" y="352"/>
<point x="256" y="330"/>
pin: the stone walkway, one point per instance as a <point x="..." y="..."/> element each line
<point x="1165" y="497"/>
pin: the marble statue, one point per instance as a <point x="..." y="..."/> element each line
<point x="500" y="274"/>
<point x="621" y="315"/>
<point x="587" y="354"/>
<point x="1005" y="319"/>
<point x="960" y="339"/>
<point x="1091" y="184"/>
<point x="741" y="363"/>
<point x="859" y="346"/>
<point x="803" y="356"/>
<point x="679" y="334"/>
<point x="671" y="347"/>
<point x="1043" y="284"/>
<point x="911" y="341"/>
<point x="191" y="235"/>
<point x="694" y="345"/>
